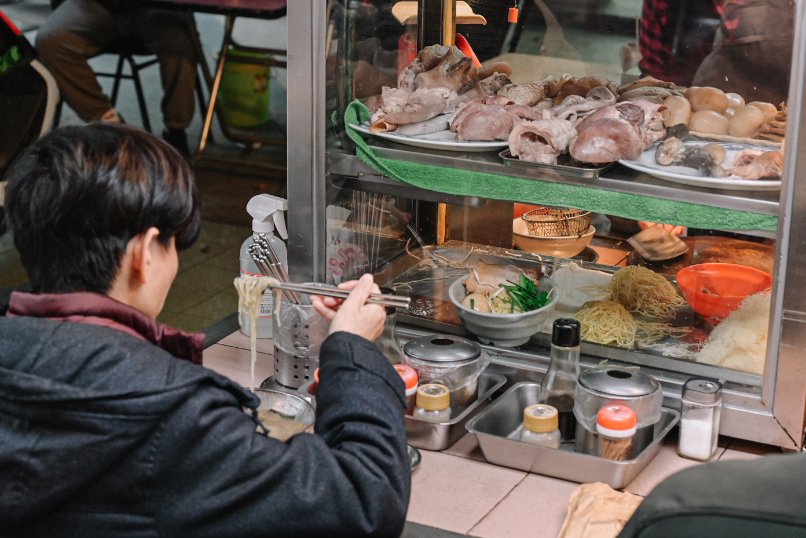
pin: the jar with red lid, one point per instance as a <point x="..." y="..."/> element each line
<point x="616" y="426"/>
<point x="409" y="377"/>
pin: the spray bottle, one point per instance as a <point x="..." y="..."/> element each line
<point x="267" y="214"/>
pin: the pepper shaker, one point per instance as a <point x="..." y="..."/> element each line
<point x="699" y="422"/>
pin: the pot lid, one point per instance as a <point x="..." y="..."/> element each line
<point x="442" y="348"/>
<point x="619" y="382"/>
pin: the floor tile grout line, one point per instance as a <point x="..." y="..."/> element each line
<point x="482" y="518"/>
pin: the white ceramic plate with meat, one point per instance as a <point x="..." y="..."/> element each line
<point x="691" y="176"/>
<point x="443" y="140"/>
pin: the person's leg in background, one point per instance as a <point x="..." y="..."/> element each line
<point x="74" y="32"/>
<point x="169" y="35"/>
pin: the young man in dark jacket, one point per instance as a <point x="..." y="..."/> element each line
<point x="104" y="431"/>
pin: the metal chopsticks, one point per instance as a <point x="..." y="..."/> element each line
<point x="393" y="301"/>
<point x="269" y="264"/>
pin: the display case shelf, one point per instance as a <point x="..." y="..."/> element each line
<point x="618" y="179"/>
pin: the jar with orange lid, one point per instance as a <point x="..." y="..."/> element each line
<point x="541" y="423"/>
<point x="616" y="426"/>
<point x="409" y="377"/>
<point x="433" y="403"/>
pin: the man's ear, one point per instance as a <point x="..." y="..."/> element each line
<point x="139" y="249"/>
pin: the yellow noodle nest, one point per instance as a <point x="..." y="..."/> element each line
<point x="645" y="292"/>
<point x="606" y="322"/>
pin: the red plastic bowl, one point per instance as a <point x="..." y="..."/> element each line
<point x="714" y="290"/>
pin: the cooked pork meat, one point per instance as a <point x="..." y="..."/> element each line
<point x="486" y="278"/>
<point x="620" y="131"/>
<point x="606" y="140"/>
<point x="541" y="140"/>
<point x="479" y="121"/>
<point x="753" y="164"/>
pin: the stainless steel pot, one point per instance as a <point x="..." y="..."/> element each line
<point x="451" y="360"/>
<point x="599" y="386"/>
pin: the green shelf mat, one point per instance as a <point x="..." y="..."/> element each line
<point x="531" y="191"/>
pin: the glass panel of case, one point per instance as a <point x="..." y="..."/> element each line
<point x="740" y="52"/>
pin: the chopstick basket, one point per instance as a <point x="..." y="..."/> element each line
<point x="298" y="335"/>
<point x="557" y="222"/>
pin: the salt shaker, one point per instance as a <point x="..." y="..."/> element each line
<point x="699" y="421"/>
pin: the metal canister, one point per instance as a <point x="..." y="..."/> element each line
<point x="450" y="360"/>
<point x="600" y="386"/>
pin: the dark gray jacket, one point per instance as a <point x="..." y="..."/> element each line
<point x="103" y="434"/>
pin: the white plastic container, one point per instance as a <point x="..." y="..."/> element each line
<point x="267" y="215"/>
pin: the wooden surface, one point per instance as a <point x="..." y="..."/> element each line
<point x="529" y="67"/>
<point x="406" y="13"/>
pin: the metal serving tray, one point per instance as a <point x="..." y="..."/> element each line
<point x="441" y="435"/>
<point x="498" y="430"/>
<point x="566" y="166"/>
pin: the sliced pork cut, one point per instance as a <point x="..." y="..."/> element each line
<point x="754" y="164"/>
<point x="479" y="121"/>
<point x="541" y="140"/>
<point x="606" y="140"/>
<point x="620" y="131"/>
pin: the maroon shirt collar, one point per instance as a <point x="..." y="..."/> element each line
<point x="97" y="309"/>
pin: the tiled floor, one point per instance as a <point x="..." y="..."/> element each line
<point x="458" y="491"/>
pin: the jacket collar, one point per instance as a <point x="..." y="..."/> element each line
<point x="97" y="309"/>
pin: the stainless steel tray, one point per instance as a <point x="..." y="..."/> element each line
<point x="441" y="435"/>
<point x="498" y="430"/>
<point x="566" y="166"/>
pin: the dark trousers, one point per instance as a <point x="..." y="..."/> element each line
<point x="79" y="29"/>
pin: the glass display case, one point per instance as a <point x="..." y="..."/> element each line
<point x="397" y="188"/>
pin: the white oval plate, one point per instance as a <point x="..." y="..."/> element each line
<point x="443" y="140"/>
<point x="691" y="176"/>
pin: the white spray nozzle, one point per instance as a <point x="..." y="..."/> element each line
<point x="267" y="212"/>
<point x="279" y="223"/>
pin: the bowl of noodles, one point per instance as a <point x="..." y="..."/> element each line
<point x="500" y="326"/>
<point x="284" y="414"/>
<point x="714" y="290"/>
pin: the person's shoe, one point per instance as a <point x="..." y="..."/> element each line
<point x="112" y="116"/>
<point x="178" y="139"/>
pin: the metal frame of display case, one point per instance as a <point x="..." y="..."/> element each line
<point x="776" y="416"/>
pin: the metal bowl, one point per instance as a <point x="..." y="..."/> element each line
<point x="288" y="405"/>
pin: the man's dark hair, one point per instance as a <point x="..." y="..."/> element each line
<point x="78" y="195"/>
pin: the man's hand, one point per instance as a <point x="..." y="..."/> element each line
<point x="353" y="315"/>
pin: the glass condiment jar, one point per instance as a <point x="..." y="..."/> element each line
<point x="433" y="403"/>
<point x="409" y="377"/>
<point x="541" y="426"/>
<point x="701" y="406"/>
<point x="616" y="427"/>
<point x="559" y="383"/>
<point x="453" y="361"/>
